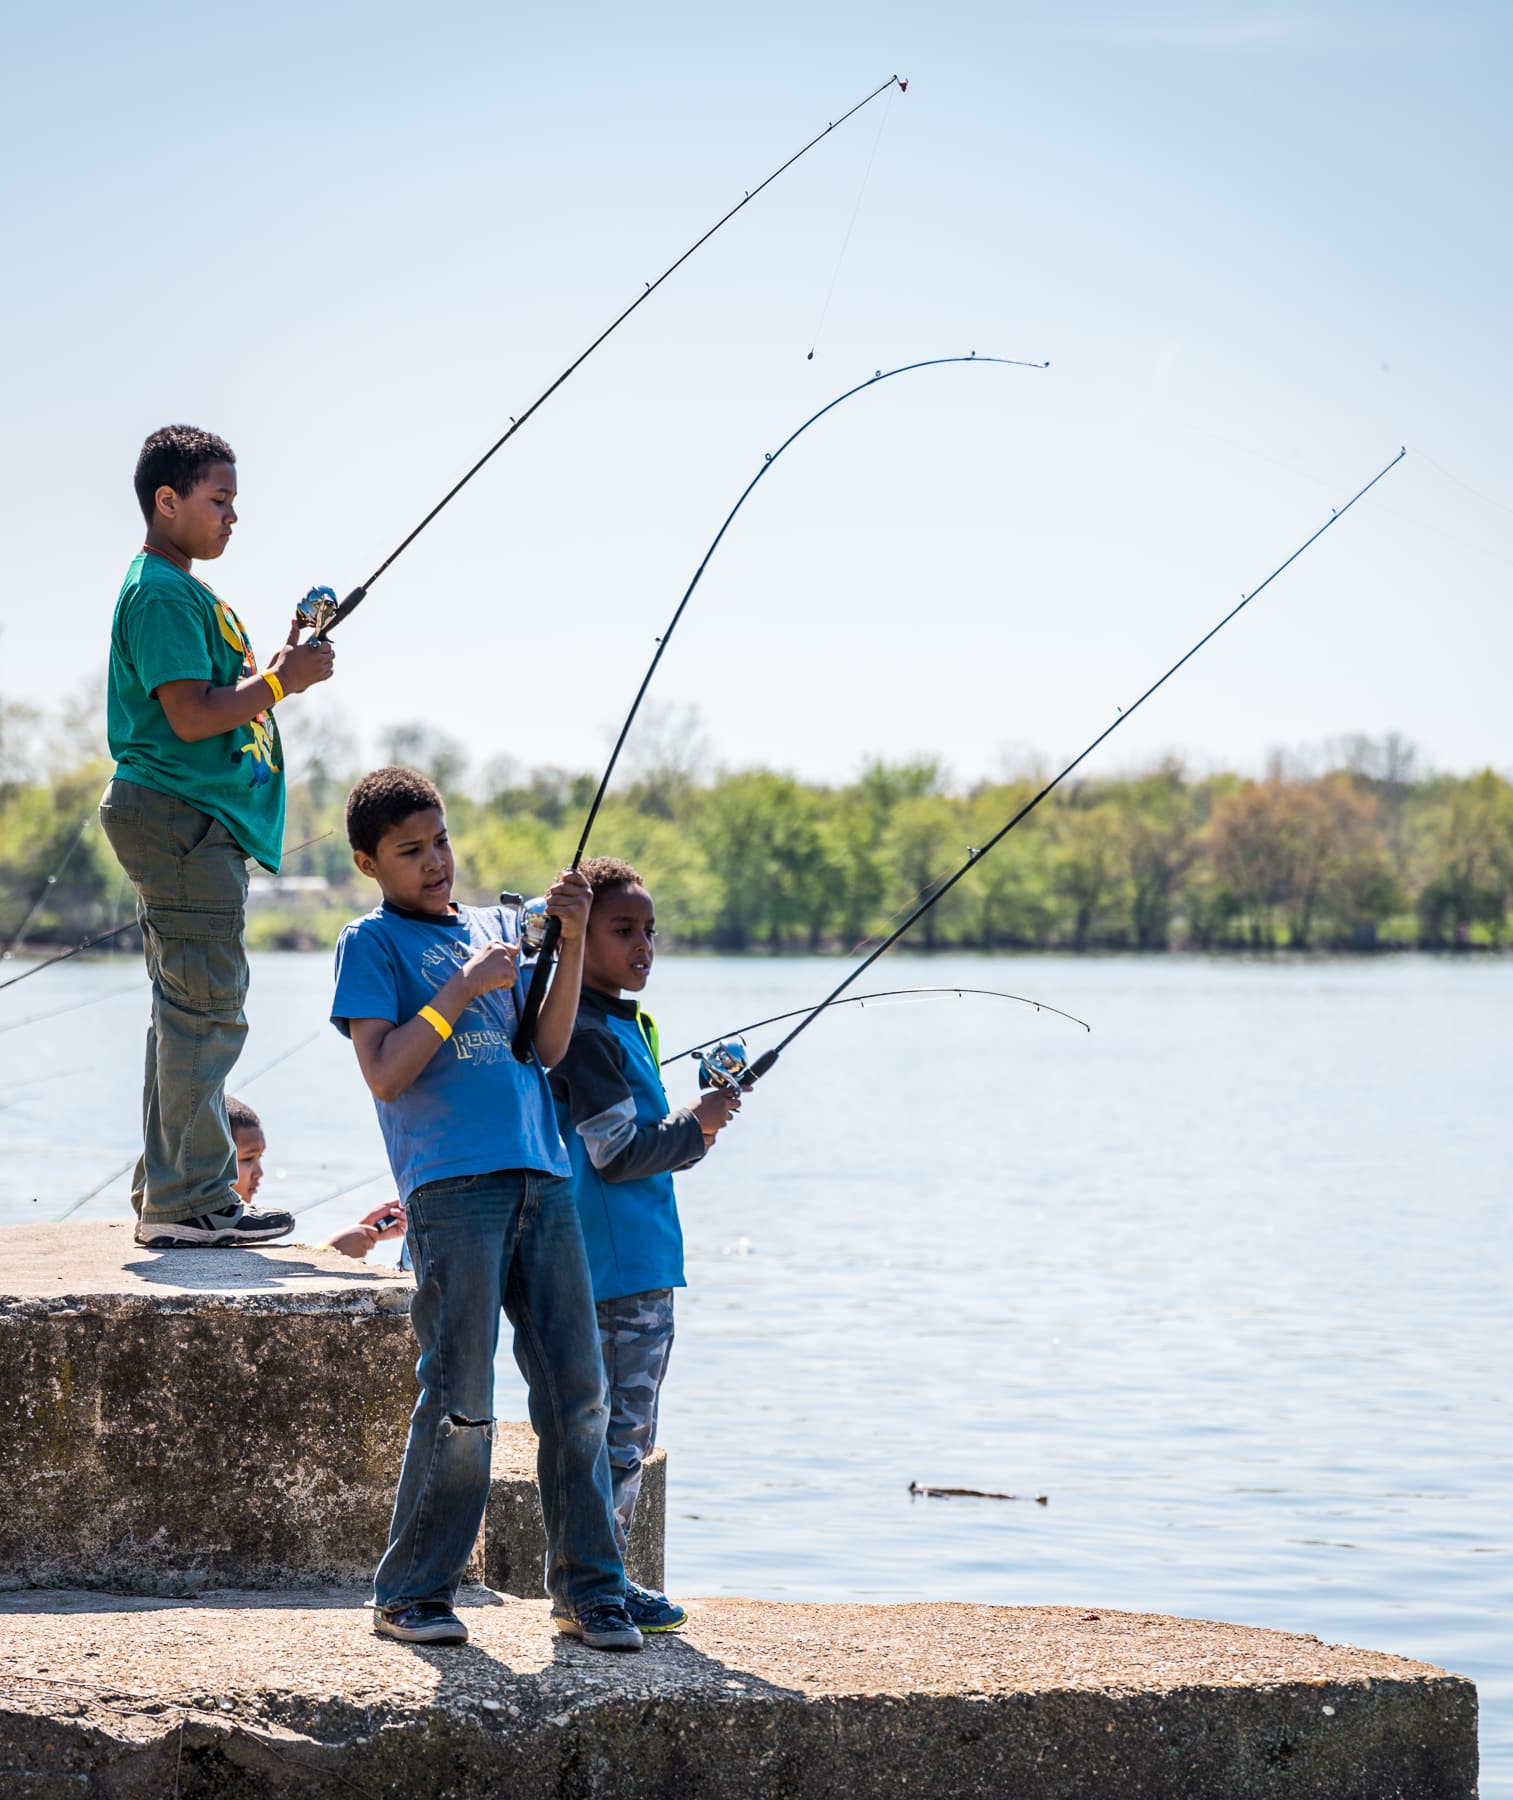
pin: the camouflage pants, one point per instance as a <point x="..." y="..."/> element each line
<point x="635" y="1335"/>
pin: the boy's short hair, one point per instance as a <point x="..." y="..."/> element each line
<point x="605" y="872"/>
<point x="241" y="1117"/>
<point x="382" y="800"/>
<point x="176" y="456"/>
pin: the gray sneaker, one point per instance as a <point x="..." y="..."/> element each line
<point x="235" y="1225"/>
<point x="605" y="1627"/>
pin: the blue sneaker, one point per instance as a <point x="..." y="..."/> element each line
<point x="422" y="1622"/>
<point x="652" y="1612"/>
<point x="606" y="1627"/>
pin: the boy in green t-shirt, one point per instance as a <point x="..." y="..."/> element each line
<point x="198" y="788"/>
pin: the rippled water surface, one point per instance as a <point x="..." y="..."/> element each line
<point x="1227" y="1279"/>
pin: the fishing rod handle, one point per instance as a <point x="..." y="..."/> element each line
<point x="760" y="1067"/>
<point x="525" y="1031"/>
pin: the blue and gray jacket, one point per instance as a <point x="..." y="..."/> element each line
<point x="624" y="1144"/>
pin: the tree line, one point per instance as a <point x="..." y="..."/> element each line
<point x="1362" y="849"/>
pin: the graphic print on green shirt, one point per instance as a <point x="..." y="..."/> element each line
<point x="169" y="626"/>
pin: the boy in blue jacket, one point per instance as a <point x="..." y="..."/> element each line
<point x="625" y="1143"/>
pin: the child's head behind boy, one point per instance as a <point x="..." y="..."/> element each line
<point x="620" y="945"/>
<point x="186" y="487"/>
<point x="251" y="1147"/>
<point x="397" y="827"/>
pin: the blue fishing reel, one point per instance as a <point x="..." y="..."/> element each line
<point x="317" y="610"/>
<point x="724" y="1065"/>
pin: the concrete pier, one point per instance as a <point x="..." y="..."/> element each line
<point x="172" y="1421"/>
<point x="257" y="1694"/>
<point x="216" y="1435"/>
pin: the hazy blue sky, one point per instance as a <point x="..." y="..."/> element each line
<point x="1262" y="247"/>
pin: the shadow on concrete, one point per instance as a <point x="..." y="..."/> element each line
<point x="246" y="1270"/>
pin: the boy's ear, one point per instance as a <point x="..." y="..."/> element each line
<point x="166" y="501"/>
<point x="366" y="864"/>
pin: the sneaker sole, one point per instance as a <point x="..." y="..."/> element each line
<point x="571" y="1628"/>
<point x="424" y="1634"/>
<point x="676" y="1625"/>
<point x="196" y="1237"/>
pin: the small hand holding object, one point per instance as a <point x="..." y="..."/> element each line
<point x="491" y="967"/>
<point x="715" y="1110"/>
<point x="299" y="666"/>
<point x="569" y="899"/>
<point x="386" y="1221"/>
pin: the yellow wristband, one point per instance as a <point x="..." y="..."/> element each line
<point x="275" y="684"/>
<point x="435" y="1021"/>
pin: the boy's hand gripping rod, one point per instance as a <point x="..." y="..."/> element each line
<point x="768" y="1058"/>
<point x="320" y="609"/>
<point x="545" y="937"/>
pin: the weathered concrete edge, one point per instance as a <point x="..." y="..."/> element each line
<point x="1414" y="1739"/>
<point x="385" y="1301"/>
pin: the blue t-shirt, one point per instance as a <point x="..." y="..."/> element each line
<point x="473" y="1108"/>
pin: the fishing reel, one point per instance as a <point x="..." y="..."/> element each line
<point x="317" y="610"/>
<point x="725" y="1065"/>
<point x="531" y="918"/>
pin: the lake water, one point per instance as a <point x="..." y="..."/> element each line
<point x="1227" y="1279"/>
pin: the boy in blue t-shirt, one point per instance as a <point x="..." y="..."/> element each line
<point x="427" y="992"/>
<point x="198" y="788"/>
<point x="625" y="1143"/>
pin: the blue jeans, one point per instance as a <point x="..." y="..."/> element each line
<point x="478" y="1242"/>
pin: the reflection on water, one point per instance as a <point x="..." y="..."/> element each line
<point x="1227" y="1280"/>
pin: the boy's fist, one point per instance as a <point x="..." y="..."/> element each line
<point x="715" y="1110"/>
<point x="299" y="666"/>
<point x="569" y="899"/>
<point x="490" y="968"/>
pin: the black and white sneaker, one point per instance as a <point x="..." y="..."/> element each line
<point x="422" y="1622"/>
<point x="601" y="1628"/>
<point x="235" y="1225"/>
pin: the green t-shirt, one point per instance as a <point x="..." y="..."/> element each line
<point x="171" y="627"/>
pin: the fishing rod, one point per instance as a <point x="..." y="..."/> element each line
<point x="42" y="892"/>
<point x="726" y="1059"/>
<point x="320" y="608"/>
<point x="102" y="937"/>
<point x="539" y="932"/>
<point x="764" y="1063"/>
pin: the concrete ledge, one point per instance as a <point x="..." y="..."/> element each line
<point x="262" y="1695"/>
<point x="172" y="1421"/>
<point x="514" y="1538"/>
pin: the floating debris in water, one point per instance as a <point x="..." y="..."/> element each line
<point x="949" y="1493"/>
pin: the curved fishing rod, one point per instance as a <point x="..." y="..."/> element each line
<point x="526" y="1030"/>
<point x="326" y="614"/>
<point x="861" y="1000"/>
<point x="768" y="1058"/>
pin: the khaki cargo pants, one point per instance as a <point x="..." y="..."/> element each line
<point x="190" y="877"/>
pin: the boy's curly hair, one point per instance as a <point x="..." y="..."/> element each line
<point x="176" y="456"/>
<point x="382" y="800"/>
<point x="605" y="872"/>
<point x="240" y="1116"/>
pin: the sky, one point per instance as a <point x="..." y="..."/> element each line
<point x="1261" y="247"/>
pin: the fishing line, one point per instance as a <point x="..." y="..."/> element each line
<point x="768" y="1058"/>
<point x="325" y="617"/>
<point x="103" y="937"/>
<point x="42" y="892"/>
<point x="526" y="1030"/>
<point x="881" y="994"/>
<point x="814" y="341"/>
<point x="57" y="1012"/>
<point x="126" y="1168"/>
